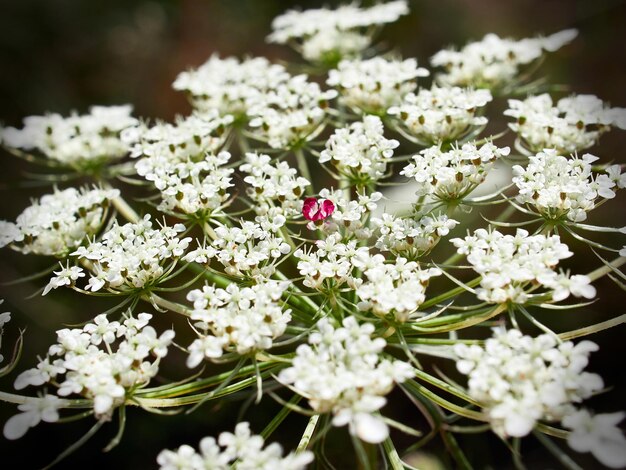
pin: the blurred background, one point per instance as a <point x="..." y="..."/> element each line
<point x="64" y="55"/>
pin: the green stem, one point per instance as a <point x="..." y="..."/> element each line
<point x="304" y="169"/>
<point x="588" y="330"/>
<point x="308" y="433"/>
<point x="449" y="294"/>
<point x="603" y="270"/>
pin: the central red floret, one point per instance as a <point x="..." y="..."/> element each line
<point x="314" y="209"/>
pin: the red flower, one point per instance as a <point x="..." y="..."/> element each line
<point x="317" y="210"/>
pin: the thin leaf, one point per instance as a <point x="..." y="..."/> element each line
<point x="561" y="456"/>
<point x="120" y="432"/>
<point x="15" y="357"/>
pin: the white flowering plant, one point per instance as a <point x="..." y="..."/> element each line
<point x="330" y="243"/>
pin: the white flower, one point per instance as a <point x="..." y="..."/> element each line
<point x="573" y="124"/>
<point x="132" y="256"/>
<point x="374" y="85"/>
<point x="494" y="62"/>
<point x="275" y="188"/>
<point x="512" y="264"/>
<point x="244" y="319"/>
<point x="78" y="141"/>
<point x="66" y="277"/>
<point x="101" y="361"/>
<point x="229" y="85"/>
<point x="241" y="449"/>
<point x="291" y="113"/>
<point x="599" y="435"/>
<point x="520" y="380"/>
<point x="442" y="114"/>
<point x="59" y="222"/>
<point x="454" y="174"/>
<point x="397" y="288"/>
<point x="327" y="35"/>
<point x="34" y="410"/>
<point x="341" y="371"/>
<point x="409" y="237"/>
<point x="360" y="149"/>
<point x="558" y="187"/>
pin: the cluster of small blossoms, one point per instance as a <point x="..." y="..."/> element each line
<point x="5" y="317"/>
<point x="190" y="138"/>
<point x="243" y="319"/>
<point x="128" y="257"/>
<point x="291" y="113"/>
<point x="374" y="85"/>
<point x="520" y="380"/>
<point x="241" y="450"/>
<point x="454" y="174"/>
<point x="230" y="85"/>
<point x="360" y="150"/>
<point x="102" y="361"/>
<point x="180" y="161"/>
<point x="251" y="250"/>
<point x="494" y="62"/>
<point x="442" y="114"/>
<point x="350" y="216"/>
<point x="409" y="237"/>
<point x="341" y="372"/>
<point x="396" y="288"/>
<point x="330" y="265"/>
<point x="190" y="187"/>
<point x="512" y="266"/>
<point x="273" y="186"/>
<point x="575" y="123"/>
<point x="59" y="222"/>
<point x="558" y="187"/>
<point x="325" y="35"/>
<point x="77" y="140"/>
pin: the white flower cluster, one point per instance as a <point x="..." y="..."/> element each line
<point x="181" y="161"/>
<point x="291" y="113"/>
<point x="241" y="450"/>
<point x="573" y="124"/>
<point x="78" y="140"/>
<point x="350" y="216"/>
<point x="190" y="138"/>
<point x="513" y="265"/>
<point x="273" y="186"/>
<point x="396" y="288"/>
<point x="374" y="85"/>
<point x="330" y="265"/>
<point x="102" y="361"/>
<point x="243" y="319"/>
<point x="454" y="174"/>
<point x="59" y="222"/>
<point x="442" y="114"/>
<point x="520" y="380"/>
<point x="341" y="371"/>
<point x="326" y="35"/>
<point x="230" y="85"/>
<point x="558" y="187"/>
<point x="360" y="150"/>
<point x="129" y="257"/>
<point x="409" y="237"/>
<point x="251" y="250"/>
<point x="495" y="62"/>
